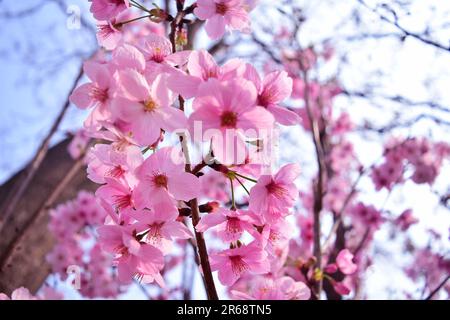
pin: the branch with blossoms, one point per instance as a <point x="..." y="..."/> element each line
<point x="185" y="159"/>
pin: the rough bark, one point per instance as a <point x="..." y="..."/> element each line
<point x="25" y="239"/>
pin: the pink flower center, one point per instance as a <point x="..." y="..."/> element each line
<point x="121" y="250"/>
<point x="158" y="55"/>
<point x="160" y="181"/>
<point x="101" y="95"/>
<point x="116" y="171"/>
<point x="221" y="8"/>
<point x="233" y="225"/>
<point x="264" y="99"/>
<point x="122" y="201"/>
<point x="228" y="119"/>
<point x="275" y="189"/>
<point x="154" y="233"/>
<point x="238" y="265"/>
<point x="211" y="73"/>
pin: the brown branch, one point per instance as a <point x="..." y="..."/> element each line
<point x="201" y="245"/>
<point x="19" y="188"/>
<point x="439" y="287"/>
<point x="319" y="187"/>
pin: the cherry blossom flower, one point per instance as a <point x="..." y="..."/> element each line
<point x="230" y="224"/>
<point x="272" y="90"/>
<point x="231" y="264"/>
<point x="109" y="33"/>
<point x="133" y="257"/>
<point x="158" y="55"/>
<point x="161" y="227"/>
<point x="274" y="195"/>
<point x="229" y="107"/>
<point x="96" y="94"/>
<point x="107" y="9"/>
<point x="284" y="288"/>
<point x="405" y="220"/>
<point x="220" y="14"/>
<point x="345" y="263"/>
<point x="147" y="108"/>
<point x="202" y="67"/>
<point x="118" y="194"/>
<point x="162" y="179"/>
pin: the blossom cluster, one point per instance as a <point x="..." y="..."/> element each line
<point x="73" y="224"/>
<point x="421" y="156"/>
<point x="133" y="97"/>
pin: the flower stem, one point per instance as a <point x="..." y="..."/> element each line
<point x="243" y="186"/>
<point x="233" y="203"/>
<point x="245" y="177"/>
<point x="201" y="245"/>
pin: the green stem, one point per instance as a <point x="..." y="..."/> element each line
<point x="136" y="4"/>
<point x="233" y="203"/>
<point x="246" y="178"/>
<point x="240" y="182"/>
<point x="119" y="24"/>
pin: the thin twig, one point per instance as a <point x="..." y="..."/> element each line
<point x="439" y="287"/>
<point x="318" y="197"/>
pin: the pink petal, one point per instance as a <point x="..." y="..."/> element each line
<point x="288" y="173"/>
<point x="183" y="84"/>
<point x="201" y="64"/>
<point x="128" y="56"/>
<point x="177" y="230"/>
<point x="134" y="85"/>
<point x="257" y="118"/>
<point x="81" y="96"/>
<point x="279" y="84"/>
<point x="210" y="220"/>
<point x="173" y="119"/>
<point x="215" y="27"/>
<point x="283" y="115"/>
<point x="179" y="58"/>
<point x="184" y="186"/>
<point x="205" y="9"/>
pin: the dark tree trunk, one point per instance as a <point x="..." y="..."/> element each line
<point x="25" y="239"/>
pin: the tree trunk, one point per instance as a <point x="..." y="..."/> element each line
<point x="25" y="239"/>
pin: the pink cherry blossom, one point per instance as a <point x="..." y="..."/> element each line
<point x="118" y="194"/>
<point x="405" y="220"/>
<point x="161" y="227"/>
<point x="107" y="9"/>
<point x="147" y="108"/>
<point x="133" y="257"/>
<point x="162" y="179"/>
<point x="284" y="288"/>
<point x="158" y="55"/>
<point x="231" y="264"/>
<point x="78" y="143"/>
<point x="274" y="195"/>
<point x="345" y="263"/>
<point x="272" y="90"/>
<point x="116" y="160"/>
<point x="220" y="14"/>
<point x="229" y="108"/>
<point x="230" y="224"/>
<point x="109" y="33"/>
<point x="201" y="67"/>
<point x="96" y="94"/>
